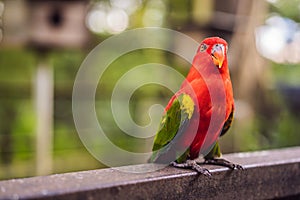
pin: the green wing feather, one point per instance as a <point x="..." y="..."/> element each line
<point x="173" y="122"/>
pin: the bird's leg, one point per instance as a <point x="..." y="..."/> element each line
<point x="191" y="164"/>
<point x="222" y="162"/>
<point x="213" y="158"/>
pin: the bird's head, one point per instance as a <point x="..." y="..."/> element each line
<point x="217" y="48"/>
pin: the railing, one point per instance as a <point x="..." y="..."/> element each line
<point x="273" y="174"/>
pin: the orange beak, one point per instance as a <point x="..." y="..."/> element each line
<point x="218" y="55"/>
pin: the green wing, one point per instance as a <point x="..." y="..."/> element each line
<point x="173" y="122"/>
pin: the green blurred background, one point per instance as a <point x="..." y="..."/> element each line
<point x="49" y="39"/>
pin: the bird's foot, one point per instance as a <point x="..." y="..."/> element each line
<point x="223" y="162"/>
<point x="191" y="164"/>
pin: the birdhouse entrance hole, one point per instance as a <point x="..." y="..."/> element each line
<point x="56" y="17"/>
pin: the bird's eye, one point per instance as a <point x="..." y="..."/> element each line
<point x="202" y="47"/>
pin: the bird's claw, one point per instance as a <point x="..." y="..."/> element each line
<point x="223" y="162"/>
<point x="239" y="167"/>
<point x="191" y="164"/>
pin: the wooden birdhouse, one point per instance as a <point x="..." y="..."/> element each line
<point x="57" y="23"/>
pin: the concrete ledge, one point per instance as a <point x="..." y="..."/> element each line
<point x="267" y="175"/>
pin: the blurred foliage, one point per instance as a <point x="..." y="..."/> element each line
<point x="288" y="85"/>
<point x="289" y="9"/>
<point x="16" y="71"/>
<point x="286" y="73"/>
<point x="16" y="110"/>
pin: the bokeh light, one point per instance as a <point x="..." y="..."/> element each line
<point x="117" y="20"/>
<point x="106" y="19"/>
<point x="96" y="20"/>
<point x="154" y="14"/>
<point x="129" y="6"/>
<point x="279" y="40"/>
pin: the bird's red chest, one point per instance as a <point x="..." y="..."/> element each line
<point x="214" y="103"/>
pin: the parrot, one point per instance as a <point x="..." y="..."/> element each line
<point x="199" y="113"/>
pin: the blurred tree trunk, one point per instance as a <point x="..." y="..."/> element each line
<point x="249" y="67"/>
<point x="251" y="77"/>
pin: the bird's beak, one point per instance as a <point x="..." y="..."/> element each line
<point x="218" y="55"/>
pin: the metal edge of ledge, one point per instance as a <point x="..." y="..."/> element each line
<point x="267" y="175"/>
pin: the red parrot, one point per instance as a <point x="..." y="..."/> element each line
<point x="199" y="113"/>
